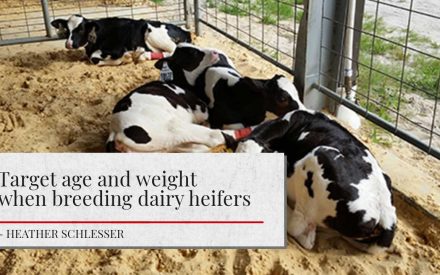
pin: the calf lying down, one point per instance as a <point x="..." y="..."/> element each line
<point x="234" y="101"/>
<point x="115" y="41"/>
<point x="161" y="117"/>
<point x="333" y="179"/>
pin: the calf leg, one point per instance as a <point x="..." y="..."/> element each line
<point x="194" y="133"/>
<point x="302" y="230"/>
<point x="102" y="59"/>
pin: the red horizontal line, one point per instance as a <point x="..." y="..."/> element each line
<point x="131" y="222"/>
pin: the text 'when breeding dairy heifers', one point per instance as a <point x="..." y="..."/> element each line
<point x="115" y="41"/>
<point x="333" y="179"/>
<point x="234" y="101"/>
<point x="161" y="117"/>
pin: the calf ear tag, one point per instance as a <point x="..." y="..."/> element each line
<point x="166" y="74"/>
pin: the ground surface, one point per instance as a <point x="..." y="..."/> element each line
<point x="51" y="100"/>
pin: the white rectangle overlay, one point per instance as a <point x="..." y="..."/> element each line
<point x="142" y="200"/>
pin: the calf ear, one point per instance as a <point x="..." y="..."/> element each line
<point x="254" y="84"/>
<point x="59" y="24"/>
<point x="91" y="29"/>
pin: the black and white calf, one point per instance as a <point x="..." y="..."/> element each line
<point x="234" y="101"/>
<point x="333" y="179"/>
<point x="114" y="41"/>
<point x="189" y="62"/>
<point x="161" y="117"/>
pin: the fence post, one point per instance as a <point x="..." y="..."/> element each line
<point x="196" y="17"/>
<point x="319" y="52"/>
<point x="46" y="15"/>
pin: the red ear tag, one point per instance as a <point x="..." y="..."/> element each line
<point x="242" y="133"/>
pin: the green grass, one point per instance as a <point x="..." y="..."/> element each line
<point x="233" y="8"/>
<point x="270" y="11"/>
<point x="421" y="71"/>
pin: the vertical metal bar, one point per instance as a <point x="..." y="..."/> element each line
<point x="405" y="50"/>
<point x="131" y="9"/>
<point x="237" y="23"/>
<point x="262" y="25"/>
<point x="367" y="106"/>
<point x="46" y="15"/>
<point x="434" y="114"/>
<point x="196" y="17"/>
<point x="25" y="18"/>
<point x="278" y="31"/>
<point x="250" y="22"/>
<point x="186" y="13"/>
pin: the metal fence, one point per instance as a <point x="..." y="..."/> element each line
<point x="25" y="21"/>
<point x="387" y="53"/>
<point x="393" y="58"/>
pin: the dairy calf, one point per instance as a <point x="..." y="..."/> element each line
<point x="234" y="101"/>
<point x="113" y="41"/>
<point x="161" y="117"/>
<point x="333" y="179"/>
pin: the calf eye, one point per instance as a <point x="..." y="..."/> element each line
<point x="283" y="98"/>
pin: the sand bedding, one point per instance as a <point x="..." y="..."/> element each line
<point x="53" y="100"/>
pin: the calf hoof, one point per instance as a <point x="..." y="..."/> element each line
<point x="95" y="60"/>
<point x="249" y="146"/>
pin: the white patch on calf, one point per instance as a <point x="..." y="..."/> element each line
<point x="374" y="196"/>
<point x="210" y="58"/>
<point x="177" y="90"/>
<point x="158" y="39"/>
<point x="318" y="207"/>
<point x="213" y="75"/>
<point x="170" y="128"/>
<point x="303" y="135"/>
<point x="249" y="146"/>
<point x="72" y="23"/>
<point x="287" y="85"/>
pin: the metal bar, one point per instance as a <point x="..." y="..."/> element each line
<point x="27" y="40"/>
<point x="186" y="14"/>
<point x="380" y="122"/>
<point x="405" y="50"/>
<point x="46" y="15"/>
<point x="196" y="17"/>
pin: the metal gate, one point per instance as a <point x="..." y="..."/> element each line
<point x="347" y="52"/>
<point x="25" y="21"/>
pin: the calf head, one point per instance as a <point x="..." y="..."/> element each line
<point x="280" y="95"/>
<point x="189" y="61"/>
<point x="77" y="29"/>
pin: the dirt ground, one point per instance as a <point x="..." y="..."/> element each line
<point x="53" y="100"/>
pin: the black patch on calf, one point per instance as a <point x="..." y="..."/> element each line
<point x="95" y="60"/>
<point x="239" y="103"/>
<point x="177" y="34"/>
<point x="115" y="36"/>
<point x="308" y="183"/>
<point x="186" y="100"/>
<point x="123" y="105"/>
<point x="110" y="147"/>
<point x="137" y="134"/>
